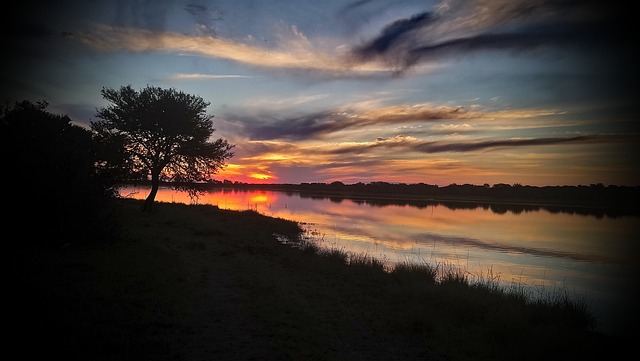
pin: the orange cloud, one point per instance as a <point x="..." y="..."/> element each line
<point x="260" y="176"/>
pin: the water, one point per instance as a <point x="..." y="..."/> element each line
<point x="592" y="259"/>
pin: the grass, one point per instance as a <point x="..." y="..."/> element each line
<point x="194" y="282"/>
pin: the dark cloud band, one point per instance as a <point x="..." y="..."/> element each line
<point x="401" y="143"/>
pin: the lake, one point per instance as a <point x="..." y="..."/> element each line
<point x="592" y="258"/>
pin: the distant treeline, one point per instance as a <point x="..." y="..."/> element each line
<point x="594" y="199"/>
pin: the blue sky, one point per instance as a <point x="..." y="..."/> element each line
<point x="440" y="92"/>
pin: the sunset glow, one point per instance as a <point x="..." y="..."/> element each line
<point x="440" y="92"/>
<point x="260" y="176"/>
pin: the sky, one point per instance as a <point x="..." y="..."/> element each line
<point x="534" y="92"/>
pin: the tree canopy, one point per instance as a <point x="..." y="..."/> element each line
<point x="159" y="135"/>
<point x="51" y="162"/>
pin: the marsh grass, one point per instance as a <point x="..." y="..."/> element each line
<point x="194" y="282"/>
<point x="448" y="274"/>
<point x="516" y="313"/>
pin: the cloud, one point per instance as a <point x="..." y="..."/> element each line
<point x="151" y="15"/>
<point x="437" y="147"/>
<point x="451" y="128"/>
<point x="456" y="28"/>
<point x="395" y="33"/>
<point x="183" y="76"/>
<point x="418" y="42"/>
<point x="404" y="143"/>
<point x="426" y="38"/>
<point x="294" y="52"/>
<point x="325" y="123"/>
<point x="411" y="159"/>
<point x="280" y="103"/>
<point x="204" y="17"/>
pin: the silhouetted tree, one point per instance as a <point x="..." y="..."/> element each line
<point x="163" y="134"/>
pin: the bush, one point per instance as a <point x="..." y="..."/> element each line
<point x="50" y="176"/>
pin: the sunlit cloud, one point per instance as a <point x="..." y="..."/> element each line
<point x="407" y="158"/>
<point x="395" y="169"/>
<point x="233" y="169"/>
<point x="323" y="123"/>
<point x="248" y="171"/>
<point x="260" y="176"/>
<point x="294" y="51"/>
<point x="299" y="156"/>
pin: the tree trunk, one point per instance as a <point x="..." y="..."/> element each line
<point x="148" y="203"/>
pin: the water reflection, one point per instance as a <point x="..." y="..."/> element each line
<point x="496" y="208"/>
<point x="590" y="255"/>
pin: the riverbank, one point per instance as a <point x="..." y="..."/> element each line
<point x="201" y="283"/>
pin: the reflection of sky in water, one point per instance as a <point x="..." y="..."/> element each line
<point x="588" y="257"/>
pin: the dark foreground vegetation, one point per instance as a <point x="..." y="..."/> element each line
<point x="193" y="282"/>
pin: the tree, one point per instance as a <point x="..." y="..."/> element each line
<point x="51" y="163"/>
<point x="162" y="135"/>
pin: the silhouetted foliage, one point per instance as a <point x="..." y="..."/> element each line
<point x="159" y="135"/>
<point x="52" y="161"/>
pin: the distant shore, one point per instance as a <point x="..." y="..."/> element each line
<point x="598" y="200"/>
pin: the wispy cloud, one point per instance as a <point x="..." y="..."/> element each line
<point x="409" y="159"/>
<point x="458" y="27"/>
<point x="398" y="148"/>
<point x="207" y="76"/>
<point x="264" y="125"/>
<point x="402" y="143"/>
<point x="279" y="103"/>
<point x="452" y="28"/>
<point x="295" y="52"/>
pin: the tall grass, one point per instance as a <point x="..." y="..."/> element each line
<point x="556" y="301"/>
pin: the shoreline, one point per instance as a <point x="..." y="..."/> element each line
<point x="193" y="282"/>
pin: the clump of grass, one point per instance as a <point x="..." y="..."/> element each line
<point x="449" y="274"/>
<point x="414" y="272"/>
<point x="336" y="254"/>
<point x="366" y="261"/>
